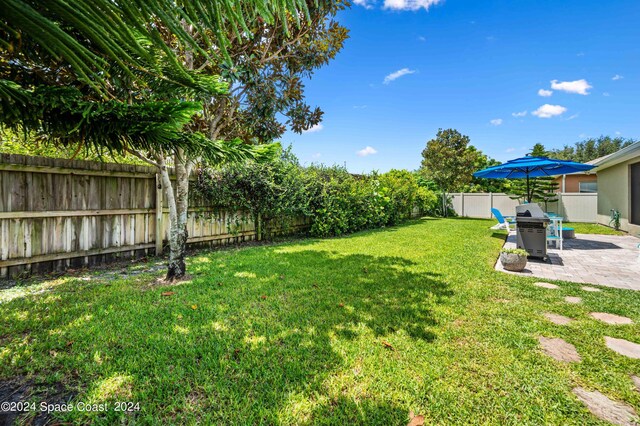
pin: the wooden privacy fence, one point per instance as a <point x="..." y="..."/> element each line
<point x="56" y="214"/>
<point x="574" y="207"/>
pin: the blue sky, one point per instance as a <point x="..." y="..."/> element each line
<point x="411" y="67"/>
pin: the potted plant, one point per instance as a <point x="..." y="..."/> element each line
<point x="513" y="259"/>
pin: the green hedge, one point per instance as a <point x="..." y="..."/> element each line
<point x="337" y="201"/>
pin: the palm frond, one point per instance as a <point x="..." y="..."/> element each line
<point x="89" y="34"/>
<point x="216" y="152"/>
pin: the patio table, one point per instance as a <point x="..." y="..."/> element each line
<point x="554" y="231"/>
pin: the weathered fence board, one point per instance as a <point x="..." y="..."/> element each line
<point x="56" y="214"/>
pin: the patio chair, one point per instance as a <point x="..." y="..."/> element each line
<point x="503" y="221"/>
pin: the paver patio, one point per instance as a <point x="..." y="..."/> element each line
<point x="607" y="260"/>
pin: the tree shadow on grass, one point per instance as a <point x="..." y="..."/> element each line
<point x="247" y="341"/>
<point x="344" y="411"/>
<point x="499" y="235"/>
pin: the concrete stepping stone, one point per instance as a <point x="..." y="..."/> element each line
<point x="623" y="347"/>
<point x="573" y="299"/>
<point x="607" y="409"/>
<point x="636" y="381"/>
<point x="591" y="289"/>
<point x="546" y="285"/>
<point x="557" y="319"/>
<point x="559" y="349"/>
<point x="611" y="318"/>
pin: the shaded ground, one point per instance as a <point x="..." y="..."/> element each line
<point x="19" y="390"/>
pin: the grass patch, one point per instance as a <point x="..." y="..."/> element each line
<point x="360" y="329"/>
<point x="592" y="228"/>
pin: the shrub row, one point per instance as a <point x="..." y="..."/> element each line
<point x="337" y="201"/>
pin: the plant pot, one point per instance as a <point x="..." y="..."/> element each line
<point x="513" y="262"/>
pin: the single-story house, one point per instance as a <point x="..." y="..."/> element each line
<point x="619" y="187"/>
<point x="584" y="183"/>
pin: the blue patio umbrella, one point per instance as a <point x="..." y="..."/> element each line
<point x="528" y="167"/>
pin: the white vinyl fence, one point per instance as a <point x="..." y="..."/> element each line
<point x="574" y="207"/>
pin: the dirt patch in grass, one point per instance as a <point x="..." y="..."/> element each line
<point x="19" y="390"/>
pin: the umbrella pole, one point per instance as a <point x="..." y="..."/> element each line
<point x="528" y="194"/>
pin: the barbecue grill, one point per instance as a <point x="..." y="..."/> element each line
<point x="531" y="230"/>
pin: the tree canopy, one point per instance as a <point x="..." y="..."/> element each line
<point x="117" y="75"/>
<point x="592" y="148"/>
<point x="98" y="38"/>
<point x="448" y="160"/>
<point x="147" y="78"/>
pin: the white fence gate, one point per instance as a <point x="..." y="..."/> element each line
<point x="574" y="207"/>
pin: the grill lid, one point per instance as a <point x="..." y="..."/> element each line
<point x="525" y="219"/>
<point x="529" y="210"/>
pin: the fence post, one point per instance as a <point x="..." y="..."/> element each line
<point x="490" y="204"/>
<point x="462" y="204"/>
<point x="258" y="227"/>
<point x="159" y="215"/>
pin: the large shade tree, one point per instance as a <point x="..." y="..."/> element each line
<point x="449" y="161"/>
<point x="136" y="77"/>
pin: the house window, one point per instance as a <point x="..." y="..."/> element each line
<point x="588" y="187"/>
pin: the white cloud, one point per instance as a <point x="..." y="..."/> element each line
<point x="410" y="4"/>
<point x="580" y="54"/>
<point x="618" y="133"/>
<point x="548" y="111"/>
<point x="422" y="38"/>
<point x="316" y="155"/>
<point x="314" y="128"/>
<point x="510" y="149"/>
<point x="519" y="114"/>
<point x="359" y="106"/>
<point x="367" y="4"/>
<point x="496" y="121"/>
<point x="394" y="75"/>
<point x="545" y="93"/>
<point x="617" y="77"/>
<point x="366" y="151"/>
<point x="605" y="94"/>
<point x="572" y="117"/>
<point x="578" y="86"/>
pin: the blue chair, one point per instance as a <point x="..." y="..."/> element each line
<point x="503" y="221"/>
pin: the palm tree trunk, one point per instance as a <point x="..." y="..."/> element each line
<point x="178" y="203"/>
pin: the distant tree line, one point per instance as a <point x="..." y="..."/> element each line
<point x="449" y="161"/>
<point x="592" y="148"/>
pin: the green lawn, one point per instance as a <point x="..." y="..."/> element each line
<point x="354" y="330"/>
<point x="592" y="228"/>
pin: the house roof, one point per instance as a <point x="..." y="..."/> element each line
<point x="597" y="160"/>
<point x="625" y="154"/>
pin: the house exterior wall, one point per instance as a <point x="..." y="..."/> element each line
<point x="614" y="192"/>
<point x="572" y="182"/>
